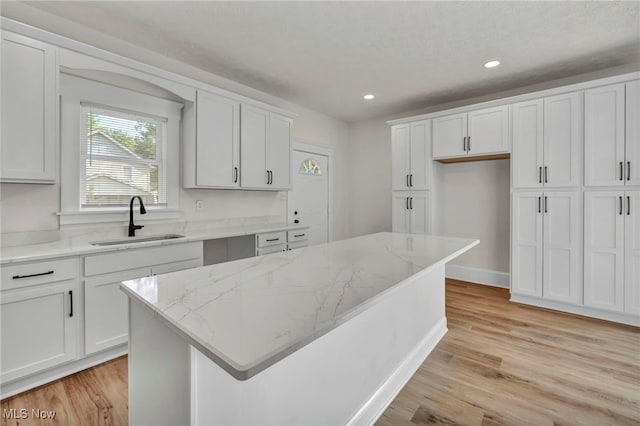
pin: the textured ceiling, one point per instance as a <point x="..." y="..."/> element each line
<point x="326" y="55"/>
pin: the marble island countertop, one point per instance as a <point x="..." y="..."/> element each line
<point x="248" y="314"/>
<point x="81" y="246"/>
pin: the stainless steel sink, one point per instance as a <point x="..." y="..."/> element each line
<point x="137" y="240"/>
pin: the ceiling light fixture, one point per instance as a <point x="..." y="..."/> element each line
<point x="368" y="97"/>
<point x="492" y="64"/>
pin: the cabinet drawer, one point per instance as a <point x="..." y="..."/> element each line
<point x="271" y="239"/>
<point x="297" y="244"/>
<point x="271" y="249"/>
<point x="299" y="235"/>
<point x="138" y="258"/>
<point x="33" y="273"/>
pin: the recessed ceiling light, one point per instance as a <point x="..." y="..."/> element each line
<point x="492" y="64"/>
<point x="368" y="97"/>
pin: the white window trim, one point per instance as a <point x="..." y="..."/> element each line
<point x="74" y="91"/>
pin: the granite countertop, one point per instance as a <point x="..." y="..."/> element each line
<point x="82" y="246"/>
<point x="248" y="314"/>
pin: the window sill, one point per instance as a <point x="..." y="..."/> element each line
<point x="104" y="216"/>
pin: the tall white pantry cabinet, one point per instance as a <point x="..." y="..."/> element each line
<point x="411" y="177"/>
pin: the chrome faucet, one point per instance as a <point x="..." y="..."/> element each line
<point x="132" y="227"/>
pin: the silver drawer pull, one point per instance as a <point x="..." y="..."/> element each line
<point x="17" y="277"/>
<point x="299" y="235"/>
<point x="272" y="240"/>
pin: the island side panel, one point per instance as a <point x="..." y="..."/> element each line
<point x="158" y="371"/>
<point x="349" y="375"/>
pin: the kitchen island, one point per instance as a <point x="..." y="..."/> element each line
<point x="327" y="334"/>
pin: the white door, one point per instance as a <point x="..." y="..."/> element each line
<point x="420" y="213"/>
<point x="526" y="261"/>
<point x="562" y="140"/>
<point x="449" y="136"/>
<point x="400" y="214"/>
<point x="632" y="252"/>
<point x="488" y="130"/>
<point x="604" y="250"/>
<point x="527" y="156"/>
<point x="561" y="250"/>
<point x="309" y="198"/>
<point x="604" y="136"/>
<point x="420" y="158"/>
<point x="400" y="157"/>
<point x="632" y="143"/>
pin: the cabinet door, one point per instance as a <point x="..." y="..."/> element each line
<point x="420" y="158"/>
<point x="39" y="328"/>
<point x="632" y="253"/>
<point x="526" y="244"/>
<point x="420" y="213"/>
<point x="604" y="136"/>
<point x="106" y="316"/>
<point x="279" y="161"/>
<point x="254" y="124"/>
<point x="562" y="140"/>
<point x="632" y="143"/>
<point x="562" y="229"/>
<point x="604" y="250"/>
<point x="400" y="212"/>
<point x="28" y="110"/>
<point x="400" y="156"/>
<point x="218" y="141"/>
<point x="176" y="266"/>
<point x="526" y="157"/>
<point x="489" y="131"/>
<point x="449" y="135"/>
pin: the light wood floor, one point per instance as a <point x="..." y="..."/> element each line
<point x="500" y="363"/>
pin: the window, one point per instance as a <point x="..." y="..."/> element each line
<point x="122" y="157"/>
<point x="116" y="143"/>
<point x="310" y="167"/>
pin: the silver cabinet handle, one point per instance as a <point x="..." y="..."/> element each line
<point x="628" y="170"/>
<point x="464" y="143"/>
<point x="539" y="204"/>
<point x="70" y="303"/>
<point x="546" y="180"/>
<point x="628" y="205"/>
<point x="411" y="180"/>
<point x="235" y="175"/>
<point x="411" y="203"/>
<point x="540" y="174"/>
<point x="545" y="205"/>
<point x="272" y="240"/>
<point x="299" y="235"/>
<point x="407" y="203"/>
<point x="468" y="143"/>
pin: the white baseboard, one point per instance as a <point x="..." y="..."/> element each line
<point x="373" y="409"/>
<point x="578" y="310"/>
<point x="479" y="276"/>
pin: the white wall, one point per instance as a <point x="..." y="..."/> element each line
<point x="33" y="207"/>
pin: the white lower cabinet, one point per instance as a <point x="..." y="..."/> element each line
<point x="612" y="251"/>
<point x="39" y="317"/>
<point x="411" y="212"/>
<point x="106" y="313"/>
<point x="546" y="245"/>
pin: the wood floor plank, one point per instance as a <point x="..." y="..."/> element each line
<point x="501" y="363"/>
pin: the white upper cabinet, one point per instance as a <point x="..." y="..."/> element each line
<point x="632" y="142"/>
<point x="212" y="160"/>
<point x="527" y="156"/>
<point x="265" y="149"/>
<point x="411" y="156"/>
<point x="28" y="110"/>
<point x="546" y="142"/>
<point x="604" y="140"/>
<point x="476" y="133"/>
<point x="562" y="140"/>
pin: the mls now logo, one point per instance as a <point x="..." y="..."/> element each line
<point x="23" y="413"/>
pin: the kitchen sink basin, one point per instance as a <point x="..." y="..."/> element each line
<point x="137" y="240"/>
